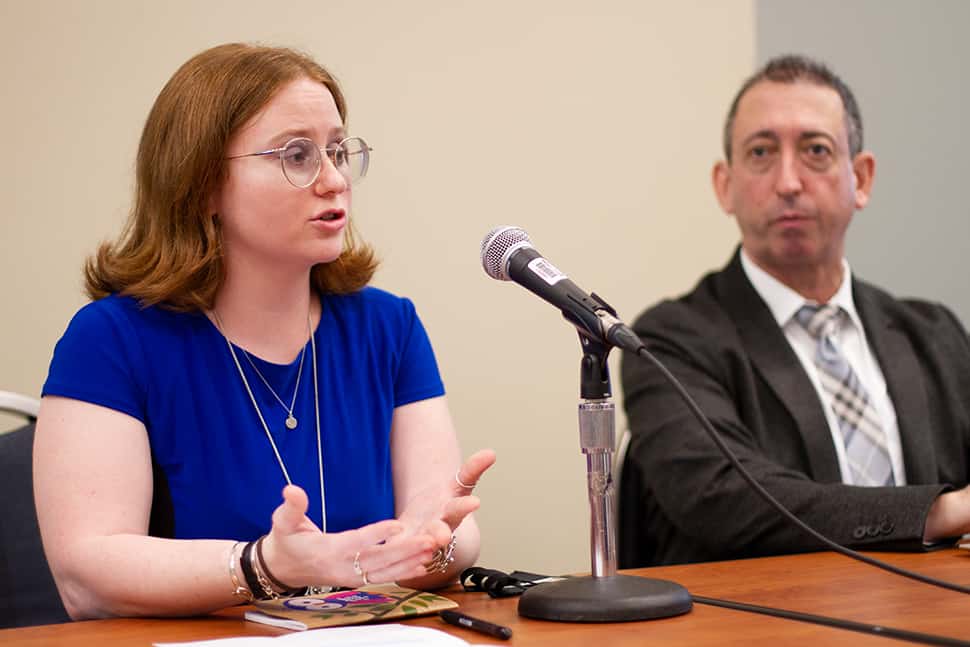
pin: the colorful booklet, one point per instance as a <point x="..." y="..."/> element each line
<point x="375" y="602"/>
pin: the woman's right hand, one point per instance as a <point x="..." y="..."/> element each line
<point x="299" y="554"/>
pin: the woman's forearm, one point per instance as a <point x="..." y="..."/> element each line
<point x="132" y="575"/>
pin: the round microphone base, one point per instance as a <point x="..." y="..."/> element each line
<point x="617" y="598"/>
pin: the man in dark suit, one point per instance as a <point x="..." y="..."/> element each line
<point x="851" y="407"/>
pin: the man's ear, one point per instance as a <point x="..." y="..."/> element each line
<point x="863" y="172"/>
<point x="721" y="179"/>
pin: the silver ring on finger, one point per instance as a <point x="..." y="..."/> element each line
<point x="357" y="568"/>
<point x="463" y="485"/>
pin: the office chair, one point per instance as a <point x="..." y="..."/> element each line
<point x="623" y="499"/>
<point x="28" y="595"/>
<point x="619" y="458"/>
<point x="633" y="537"/>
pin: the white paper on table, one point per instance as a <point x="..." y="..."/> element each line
<point x="389" y="635"/>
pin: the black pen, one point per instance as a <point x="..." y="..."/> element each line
<point x="481" y="626"/>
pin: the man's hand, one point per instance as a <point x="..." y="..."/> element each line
<point x="949" y="516"/>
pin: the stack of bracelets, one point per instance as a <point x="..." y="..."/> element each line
<point x="259" y="581"/>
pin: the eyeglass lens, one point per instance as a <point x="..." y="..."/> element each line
<point x="301" y="160"/>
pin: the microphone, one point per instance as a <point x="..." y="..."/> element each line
<point x="508" y="255"/>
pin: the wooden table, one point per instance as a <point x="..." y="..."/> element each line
<point x="819" y="583"/>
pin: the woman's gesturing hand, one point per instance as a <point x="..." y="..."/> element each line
<point x="299" y="554"/>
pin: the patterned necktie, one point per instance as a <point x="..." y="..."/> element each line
<point x="865" y="440"/>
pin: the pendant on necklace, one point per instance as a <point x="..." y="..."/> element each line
<point x="290" y="422"/>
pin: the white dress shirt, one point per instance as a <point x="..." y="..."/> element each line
<point x="851" y="339"/>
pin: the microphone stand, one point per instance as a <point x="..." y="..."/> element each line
<point x="603" y="596"/>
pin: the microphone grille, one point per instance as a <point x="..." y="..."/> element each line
<point x="498" y="245"/>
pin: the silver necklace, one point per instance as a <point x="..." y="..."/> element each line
<point x="291" y="421"/>
<point x="259" y="414"/>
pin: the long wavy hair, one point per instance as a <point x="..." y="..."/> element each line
<point x="170" y="252"/>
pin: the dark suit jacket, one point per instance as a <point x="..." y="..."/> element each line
<point x="682" y="501"/>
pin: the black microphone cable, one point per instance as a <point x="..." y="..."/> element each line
<point x="838" y="623"/>
<point x="764" y="494"/>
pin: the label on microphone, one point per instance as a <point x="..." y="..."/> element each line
<point x="546" y="271"/>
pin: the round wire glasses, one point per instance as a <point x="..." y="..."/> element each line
<point x="301" y="159"/>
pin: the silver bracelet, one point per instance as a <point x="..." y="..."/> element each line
<point x="238" y="589"/>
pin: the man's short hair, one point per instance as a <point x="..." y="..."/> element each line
<point x="789" y="69"/>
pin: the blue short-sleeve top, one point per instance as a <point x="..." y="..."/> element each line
<point x="215" y="472"/>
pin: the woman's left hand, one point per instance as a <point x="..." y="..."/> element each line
<point x="440" y="509"/>
<point x="430" y="499"/>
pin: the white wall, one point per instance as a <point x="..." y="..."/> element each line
<point x="591" y="125"/>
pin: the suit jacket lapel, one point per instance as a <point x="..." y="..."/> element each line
<point x="774" y="359"/>
<point x="903" y="379"/>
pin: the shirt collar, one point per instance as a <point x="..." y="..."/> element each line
<point x="783" y="302"/>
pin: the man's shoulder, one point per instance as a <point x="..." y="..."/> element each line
<point x="909" y="313"/>
<point x="700" y="308"/>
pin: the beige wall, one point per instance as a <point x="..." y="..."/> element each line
<point x="591" y="125"/>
